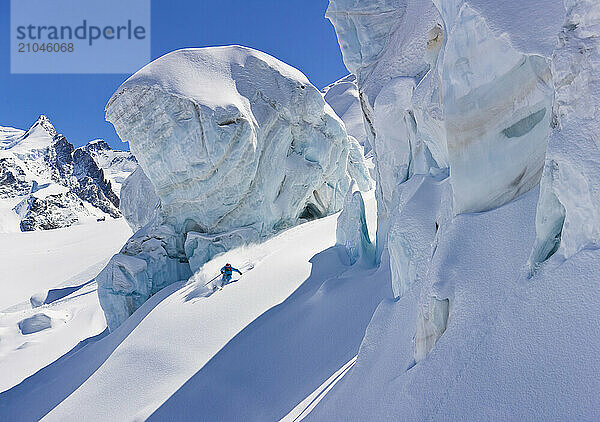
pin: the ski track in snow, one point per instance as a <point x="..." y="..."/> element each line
<point x="276" y="333"/>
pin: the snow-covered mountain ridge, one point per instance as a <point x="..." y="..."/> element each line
<point x="46" y="183"/>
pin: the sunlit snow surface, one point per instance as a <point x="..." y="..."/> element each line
<point x="54" y="271"/>
<point x="252" y="351"/>
<point x="457" y="104"/>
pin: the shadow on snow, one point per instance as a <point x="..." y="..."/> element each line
<point x="38" y="394"/>
<point x="261" y="374"/>
<point x="287" y="352"/>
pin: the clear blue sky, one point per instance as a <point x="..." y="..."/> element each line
<point x="294" y="31"/>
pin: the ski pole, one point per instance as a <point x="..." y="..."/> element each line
<point x="211" y="280"/>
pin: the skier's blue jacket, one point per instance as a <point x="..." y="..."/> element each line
<point x="228" y="270"/>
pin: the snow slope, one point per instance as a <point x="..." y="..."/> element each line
<point x="32" y="262"/>
<point x="8" y="135"/>
<point x="250" y="352"/>
<point x="53" y="270"/>
<point x="514" y="348"/>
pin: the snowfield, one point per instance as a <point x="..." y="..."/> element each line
<point x="33" y="262"/>
<point x="54" y="270"/>
<point x="254" y="350"/>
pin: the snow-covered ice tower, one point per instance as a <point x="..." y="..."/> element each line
<point x="238" y="146"/>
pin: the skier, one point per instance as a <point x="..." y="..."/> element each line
<point x="227" y="272"/>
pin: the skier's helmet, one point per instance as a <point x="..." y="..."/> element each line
<point x="228" y="265"/>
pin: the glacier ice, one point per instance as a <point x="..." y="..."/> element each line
<point x="238" y="146"/>
<point x="568" y="214"/>
<point x="150" y="260"/>
<point x="230" y="116"/>
<point x="388" y="64"/>
<point x="436" y="102"/>
<point x="466" y="103"/>
<point x="342" y="96"/>
<point x="497" y="110"/>
<point x="364" y="28"/>
<point x="352" y="233"/>
<point x="431" y="324"/>
<point x="139" y="202"/>
<point x="356" y="165"/>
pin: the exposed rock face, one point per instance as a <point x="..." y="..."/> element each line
<point x="116" y="165"/>
<point x="48" y="184"/>
<point x="237" y="145"/>
<point x="51" y="212"/>
<point x="13" y="181"/>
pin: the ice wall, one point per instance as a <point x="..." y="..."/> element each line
<point x="237" y="146"/>
<point x="352" y="233"/>
<point x="457" y="102"/>
<point x="497" y="107"/>
<point x="568" y="213"/>
<point x="342" y="96"/>
<point x="139" y="203"/>
<point x="389" y="64"/>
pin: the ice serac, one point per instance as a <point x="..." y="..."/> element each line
<point x="357" y="169"/>
<point x="238" y="146"/>
<point x="352" y="233"/>
<point x="139" y="203"/>
<point x="385" y="43"/>
<point x="364" y="28"/>
<point x="446" y="93"/>
<point x="342" y="96"/>
<point x="568" y="213"/>
<point x="466" y="103"/>
<point x="497" y="109"/>
<point x="150" y="260"/>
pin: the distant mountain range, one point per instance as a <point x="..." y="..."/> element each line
<point x="47" y="183"/>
